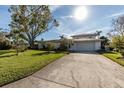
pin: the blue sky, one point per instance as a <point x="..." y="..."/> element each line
<point x="99" y="18"/>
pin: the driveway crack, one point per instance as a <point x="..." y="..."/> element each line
<point x="53" y="81"/>
<point x="77" y="82"/>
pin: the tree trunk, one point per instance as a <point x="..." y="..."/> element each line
<point x="17" y="51"/>
<point x="17" y="47"/>
<point x="32" y="44"/>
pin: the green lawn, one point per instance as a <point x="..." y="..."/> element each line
<point x="14" y="67"/>
<point x="116" y="57"/>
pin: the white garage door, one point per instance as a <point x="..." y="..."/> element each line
<point x="84" y="46"/>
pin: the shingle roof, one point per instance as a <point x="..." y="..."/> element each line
<point x="76" y="40"/>
<point x="84" y="35"/>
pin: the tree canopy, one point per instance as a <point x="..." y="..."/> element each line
<point x="117" y="34"/>
<point x="29" y="21"/>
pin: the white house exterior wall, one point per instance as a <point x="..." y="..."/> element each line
<point x="88" y="42"/>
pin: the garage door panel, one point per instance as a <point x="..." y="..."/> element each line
<point x="85" y="46"/>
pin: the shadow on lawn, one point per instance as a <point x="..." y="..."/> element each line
<point x="7" y="56"/>
<point x="102" y="52"/>
<point x="47" y="52"/>
<point x="39" y="54"/>
<point x="5" y="52"/>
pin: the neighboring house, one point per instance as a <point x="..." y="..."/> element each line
<point x="86" y="42"/>
<point x="42" y="43"/>
<point x="3" y="36"/>
<point x="82" y="42"/>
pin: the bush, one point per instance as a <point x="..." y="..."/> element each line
<point x="22" y="48"/>
<point x="50" y="46"/>
<point x="65" y="44"/>
<point x="117" y="43"/>
<point x="4" y="45"/>
<point x="122" y="53"/>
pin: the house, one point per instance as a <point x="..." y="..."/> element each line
<point x="81" y="43"/>
<point x="4" y="36"/>
<point x="42" y="44"/>
<point x="86" y="42"/>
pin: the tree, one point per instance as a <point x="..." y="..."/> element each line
<point x="118" y="43"/>
<point x="117" y="34"/>
<point x="104" y="42"/>
<point x="2" y="36"/>
<point x="118" y="26"/>
<point x="4" y="41"/>
<point x="31" y="21"/>
<point x="50" y="46"/>
<point x="61" y="36"/>
<point x="65" y="43"/>
<point x="98" y="32"/>
<point x="15" y="35"/>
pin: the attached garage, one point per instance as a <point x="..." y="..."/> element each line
<point x="83" y="46"/>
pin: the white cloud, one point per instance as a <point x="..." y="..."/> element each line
<point x="54" y="7"/>
<point x="104" y="30"/>
<point x="66" y="17"/>
<point x="63" y="29"/>
<point x="87" y="29"/>
<point x="115" y="15"/>
<point x="80" y="30"/>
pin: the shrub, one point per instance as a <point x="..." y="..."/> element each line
<point x="4" y="45"/>
<point x="122" y="53"/>
<point x="50" y="46"/>
<point x="117" y="42"/>
<point x="22" y="48"/>
<point x="65" y="44"/>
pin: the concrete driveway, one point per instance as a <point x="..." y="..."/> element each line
<point x="78" y="70"/>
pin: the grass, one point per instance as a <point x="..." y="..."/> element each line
<point x="14" y="67"/>
<point x="115" y="56"/>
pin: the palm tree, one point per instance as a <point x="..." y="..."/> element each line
<point x="98" y="32"/>
<point x="61" y="36"/>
